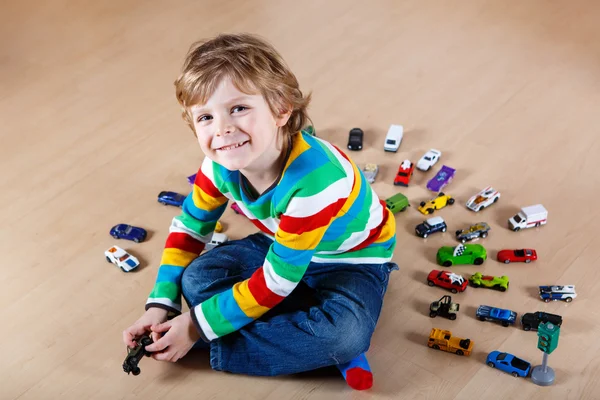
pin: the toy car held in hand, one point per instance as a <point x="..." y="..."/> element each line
<point x="129" y="232"/>
<point x="437" y="203"/>
<point x="135" y="355"/>
<point x="121" y="259"/>
<point x="461" y="254"/>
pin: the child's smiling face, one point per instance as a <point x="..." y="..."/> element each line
<point x="237" y="130"/>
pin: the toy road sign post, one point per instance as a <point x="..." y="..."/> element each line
<point x="548" y="333"/>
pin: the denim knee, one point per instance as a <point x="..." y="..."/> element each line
<point x="198" y="277"/>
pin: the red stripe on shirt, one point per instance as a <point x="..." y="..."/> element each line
<point x="375" y="232"/>
<point x="185" y="242"/>
<point x="306" y="224"/>
<point x="206" y="185"/>
<point x="262" y="294"/>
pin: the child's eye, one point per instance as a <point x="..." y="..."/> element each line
<point x="238" y="109"/>
<point x="203" y="118"/>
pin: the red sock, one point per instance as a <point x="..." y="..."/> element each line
<point x="359" y="379"/>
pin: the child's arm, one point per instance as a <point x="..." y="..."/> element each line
<point x="188" y="234"/>
<point x="305" y="218"/>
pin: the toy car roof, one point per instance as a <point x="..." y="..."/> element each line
<point x="435" y="220"/>
<point x="558" y="289"/>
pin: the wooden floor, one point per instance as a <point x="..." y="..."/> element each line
<point x="91" y="132"/>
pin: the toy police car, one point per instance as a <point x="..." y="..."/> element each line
<point x="554" y="293"/>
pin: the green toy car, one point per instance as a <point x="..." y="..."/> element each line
<point x="397" y="202"/>
<point x="489" y="281"/>
<point x="461" y="254"/>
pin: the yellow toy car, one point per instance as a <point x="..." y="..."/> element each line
<point x="441" y="201"/>
<point x="218" y="227"/>
<point x="440" y="339"/>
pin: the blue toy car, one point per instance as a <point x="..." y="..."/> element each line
<point x="171" y="199"/>
<point x="508" y="363"/>
<point x="124" y="231"/>
<point x="554" y="293"/>
<point x="487" y="313"/>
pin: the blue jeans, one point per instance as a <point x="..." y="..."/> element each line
<point x="328" y="319"/>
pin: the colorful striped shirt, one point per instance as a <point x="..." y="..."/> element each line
<point x="321" y="210"/>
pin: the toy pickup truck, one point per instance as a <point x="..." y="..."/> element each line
<point x="505" y="317"/>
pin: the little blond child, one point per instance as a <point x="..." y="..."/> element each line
<point x="307" y="290"/>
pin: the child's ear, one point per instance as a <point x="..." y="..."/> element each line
<point x="283" y="117"/>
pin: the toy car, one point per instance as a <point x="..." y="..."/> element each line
<point x="439" y="202"/>
<point x="505" y="317"/>
<point x="443" y="340"/>
<point x="355" y="139"/>
<point x="531" y="321"/>
<point x="444" y="307"/>
<point x="124" y="231"/>
<point x="236" y="209"/>
<point x="528" y="217"/>
<point x="370" y="172"/>
<point x="520" y="255"/>
<point x="121" y="259"/>
<point x="447" y="280"/>
<point x="429" y="159"/>
<point x="431" y="225"/>
<point x="461" y="254"/>
<point x="405" y="171"/>
<point x="171" y="199"/>
<point x="441" y="179"/>
<point x="135" y="355"/>
<point x="217" y="239"/>
<point x="489" y="281"/>
<point x="481" y="200"/>
<point x="478" y="230"/>
<point x="218" y="227"/>
<point x="393" y="138"/>
<point x="555" y="293"/>
<point x="508" y="363"/>
<point x="397" y="202"/>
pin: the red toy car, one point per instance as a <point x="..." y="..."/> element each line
<point x="521" y="255"/>
<point x="404" y="174"/>
<point x="448" y="280"/>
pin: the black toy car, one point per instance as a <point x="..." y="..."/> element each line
<point x="136" y="354"/>
<point x="444" y="307"/>
<point x="431" y="225"/>
<point x="531" y="321"/>
<point x="355" y="139"/>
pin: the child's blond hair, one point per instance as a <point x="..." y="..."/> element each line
<point x="254" y="66"/>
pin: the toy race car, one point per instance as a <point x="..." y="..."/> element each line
<point x="443" y="340"/>
<point x="370" y="172"/>
<point x="429" y="159"/>
<point x="489" y="281"/>
<point x="444" y="307"/>
<point x="447" y="280"/>
<point x="129" y="232"/>
<point x="431" y="225"/>
<point x="555" y="293"/>
<point x="508" y="363"/>
<point x="481" y="200"/>
<point x="397" y="202"/>
<point x="439" y="202"/>
<point x="121" y="259"/>
<point x="519" y="255"/>
<point x="531" y="321"/>
<point x="355" y="139"/>
<point x="393" y="138"/>
<point x="405" y="171"/>
<point x="478" y="230"/>
<point x="441" y="179"/>
<point x="505" y="317"/>
<point x="171" y="199"/>
<point x="135" y="355"/>
<point x="461" y="254"/>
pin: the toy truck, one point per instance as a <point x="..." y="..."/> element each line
<point x="528" y="217"/>
<point x="444" y="307"/>
<point x="505" y="317"/>
<point x="443" y="340"/>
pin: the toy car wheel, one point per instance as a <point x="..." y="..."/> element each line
<point x="491" y="365"/>
<point x="447" y="263"/>
<point x="526" y="327"/>
<point x="516" y="375"/>
<point x="435" y="346"/>
<point x="433" y="314"/>
<point x="517" y="229"/>
<point x="457" y="232"/>
<point x="443" y="229"/>
<point x="504" y="324"/>
<point x="569" y="299"/>
<point x="430" y="283"/>
<point x="136" y="240"/>
<point x="496" y="199"/>
<point x="454" y="290"/>
<point x="482" y="318"/>
<point x="430" y="210"/>
<point x="527" y="261"/>
<point x="404" y="209"/>
<point x="136" y="371"/>
<point x="450" y="201"/>
<point x="484" y="235"/>
<point x="506" y="261"/>
<point x="459" y="352"/>
<point x="478" y="261"/>
<point x="546" y="300"/>
<point x="425" y="235"/>
<point x="452" y="317"/>
<point x="440" y="194"/>
<point x="463" y="240"/>
<point x="474" y="284"/>
<point x="108" y="259"/>
<point x="115" y="236"/>
<point x="502" y="288"/>
<point x="422" y="203"/>
<point x="123" y="269"/>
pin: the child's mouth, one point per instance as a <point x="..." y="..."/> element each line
<point x="233" y="146"/>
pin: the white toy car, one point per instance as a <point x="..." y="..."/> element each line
<point x="370" y="172"/>
<point x="121" y="259"/>
<point x="393" y="138"/>
<point x="217" y="239"/>
<point x="481" y="200"/>
<point x="429" y="159"/>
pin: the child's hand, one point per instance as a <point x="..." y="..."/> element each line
<point x="180" y="336"/>
<point x="153" y="316"/>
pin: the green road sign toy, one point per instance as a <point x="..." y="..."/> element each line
<point x="397" y="202"/>
<point x="461" y="254"/>
<point x="493" y="282"/>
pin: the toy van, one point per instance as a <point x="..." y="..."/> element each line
<point x="393" y="138"/>
<point x="528" y="217"/>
